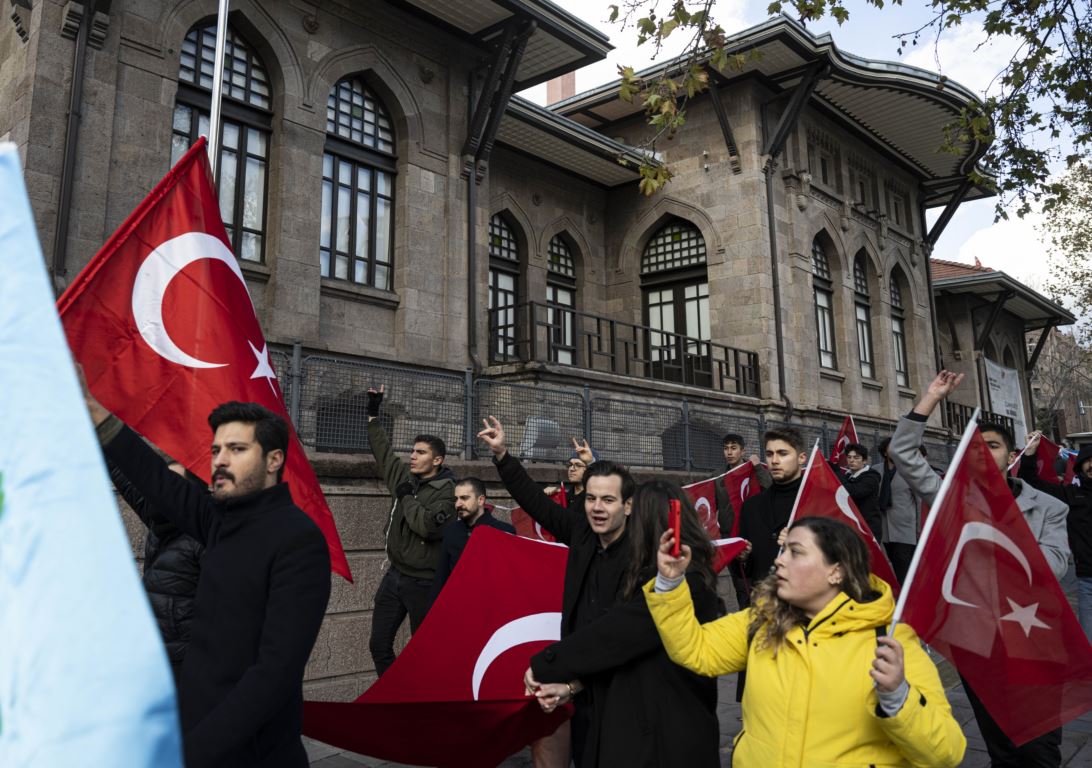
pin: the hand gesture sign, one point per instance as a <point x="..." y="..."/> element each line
<point x="583" y="451"/>
<point x="944" y="384"/>
<point x="493" y="436"/>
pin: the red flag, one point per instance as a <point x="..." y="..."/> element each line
<point x="528" y="527"/>
<point x="703" y="495"/>
<point x="1044" y="461"/>
<point x="823" y="495"/>
<point x="846" y="435"/>
<point x="1070" y="470"/>
<point x="980" y="592"/>
<point x="163" y="324"/>
<point x="725" y="551"/>
<point x="454" y="697"/>
<point x="740" y="484"/>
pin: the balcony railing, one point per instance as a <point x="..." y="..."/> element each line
<point x="543" y="332"/>
<point x="959" y="415"/>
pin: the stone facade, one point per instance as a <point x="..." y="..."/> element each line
<point x="421" y="72"/>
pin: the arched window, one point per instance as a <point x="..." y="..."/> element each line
<point x="504" y="268"/>
<point x="245" y="125"/>
<point x="676" y="303"/>
<point x="862" y="308"/>
<point x="824" y="305"/>
<point x="561" y="300"/>
<point x="898" y="330"/>
<point x="358" y="167"/>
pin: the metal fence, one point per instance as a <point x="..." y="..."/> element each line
<point x="326" y="397"/>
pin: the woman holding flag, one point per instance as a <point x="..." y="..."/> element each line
<point x="826" y="686"/>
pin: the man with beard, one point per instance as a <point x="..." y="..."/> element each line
<point x="471" y="510"/>
<point x="261" y="595"/>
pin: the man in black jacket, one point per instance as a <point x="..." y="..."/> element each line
<point x="472" y="510"/>
<point x="597" y="553"/>
<point x="262" y="594"/>
<point x="172" y="566"/>
<point x="763" y="516"/>
<point x="1078" y="496"/>
<point x="863" y="484"/>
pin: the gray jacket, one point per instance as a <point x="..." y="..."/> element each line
<point x="902" y="520"/>
<point x="1045" y="514"/>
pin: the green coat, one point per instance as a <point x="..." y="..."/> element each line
<point x="415" y="524"/>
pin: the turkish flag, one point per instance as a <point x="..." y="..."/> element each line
<point x="703" y="495"/>
<point x="823" y="495"/>
<point x="982" y="594"/>
<point x="725" y="551"/>
<point x="846" y="435"/>
<point x="740" y="484"/>
<point x="1044" y="461"/>
<point x="1070" y="469"/>
<point x="162" y="322"/>
<point x="528" y="527"/>
<point x="454" y="697"/>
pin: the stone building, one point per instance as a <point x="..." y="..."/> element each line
<point x="401" y="217"/>
<point x="1061" y="387"/>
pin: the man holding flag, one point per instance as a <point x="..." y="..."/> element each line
<point x="1044" y="515"/>
<point x="1078" y="496"/>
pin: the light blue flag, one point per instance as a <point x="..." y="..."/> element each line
<point x="84" y="678"/>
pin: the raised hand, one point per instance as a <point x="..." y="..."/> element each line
<point x="583" y="451"/>
<point x="671" y="567"/>
<point x="493" y="436"/>
<point x="940" y="387"/>
<point x="375" y="398"/>
<point x="1033" y="443"/>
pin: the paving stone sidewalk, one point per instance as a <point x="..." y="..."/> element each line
<point x="1076" y="736"/>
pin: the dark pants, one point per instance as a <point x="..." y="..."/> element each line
<point x="397" y="596"/>
<point x="900" y="556"/>
<point x="1042" y="752"/>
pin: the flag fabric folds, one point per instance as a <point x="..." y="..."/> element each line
<point x="1044" y="460"/>
<point x="980" y="592"/>
<point x="823" y="495"/>
<point x="162" y="322"/>
<point x="846" y="436"/>
<point x="529" y="528"/>
<point x="741" y="484"/>
<point x="726" y="550"/>
<point x="84" y="678"/>
<point x="703" y="495"/>
<point x="454" y="697"/>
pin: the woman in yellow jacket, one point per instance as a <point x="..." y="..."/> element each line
<point x="825" y="686"/>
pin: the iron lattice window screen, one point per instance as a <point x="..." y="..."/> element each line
<point x="643" y="434"/>
<point x="539" y="421"/>
<point x="240" y="177"/>
<point x="677" y="244"/>
<point x="560" y="261"/>
<point x="708" y="426"/>
<point x="333" y="412"/>
<point x="355" y="114"/>
<point x="282" y="365"/>
<point x="860" y="276"/>
<point x="819" y="263"/>
<point x="245" y="78"/>
<point x="357" y="222"/>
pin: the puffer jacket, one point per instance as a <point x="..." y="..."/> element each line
<point x="813" y="703"/>
<point x="172" y="565"/>
<point x="416" y="522"/>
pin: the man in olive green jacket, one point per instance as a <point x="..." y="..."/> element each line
<point x="422" y="503"/>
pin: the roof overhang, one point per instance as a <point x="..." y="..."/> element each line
<point x="900" y="107"/>
<point x="549" y="137"/>
<point x="1036" y="310"/>
<point x="561" y="42"/>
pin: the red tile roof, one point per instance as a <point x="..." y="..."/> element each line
<point x="942" y="269"/>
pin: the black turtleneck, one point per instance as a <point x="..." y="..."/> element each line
<point x="761" y="520"/>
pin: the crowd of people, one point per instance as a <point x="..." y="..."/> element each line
<point x="239" y="579"/>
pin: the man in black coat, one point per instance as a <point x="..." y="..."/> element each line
<point x="172" y="566"/>
<point x="597" y="554"/>
<point x="471" y="511"/>
<point x="863" y="484"/>
<point x="262" y="594"/>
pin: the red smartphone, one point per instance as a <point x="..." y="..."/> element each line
<point x="674" y="521"/>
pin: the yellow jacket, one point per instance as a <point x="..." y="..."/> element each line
<point x="814" y="705"/>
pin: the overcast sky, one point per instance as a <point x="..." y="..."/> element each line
<point x="1013" y="246"/>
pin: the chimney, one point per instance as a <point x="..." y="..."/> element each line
<point x="561" y="88"/>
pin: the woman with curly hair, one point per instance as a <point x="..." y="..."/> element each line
<point x="826" y="686"/>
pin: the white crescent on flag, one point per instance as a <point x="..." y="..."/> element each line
<point x="528" y="629"/>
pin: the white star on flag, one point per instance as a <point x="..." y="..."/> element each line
<point x="264" y="369"/>
<point x="1024" y="616"/>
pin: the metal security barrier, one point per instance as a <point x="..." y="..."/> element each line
<point x="326" y="396"/>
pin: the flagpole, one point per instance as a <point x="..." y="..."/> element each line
<point x="946" y="483"/>
<point x="1016" y="461"/>
<point x="217" y="86"/>
<point x="804" y="482"/>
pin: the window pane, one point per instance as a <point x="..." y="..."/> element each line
<point x="255" y="142"/>
<point x="382" y="230"/>
<point x="230" y="137"/>
<point x="324" y="263"/>
<point x="251" y="247"/>
<point x="182" y="118"/>
<point x="363" y="221"/>
<point x="227" y="186"/>
<point x="327" y="213"/>
<point x="382" y="277"/>
<point x="254" y="194"/>
<point x="344" y="172"/>
<point x="383" y="183"/>
<point x="179" y="145"/>
<point x="341" y="267"/>
<point x="364" y="179"/>
<point x="328" y="165"/>
<point x="343" y="210"/>
<point x="360" y="271"/>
